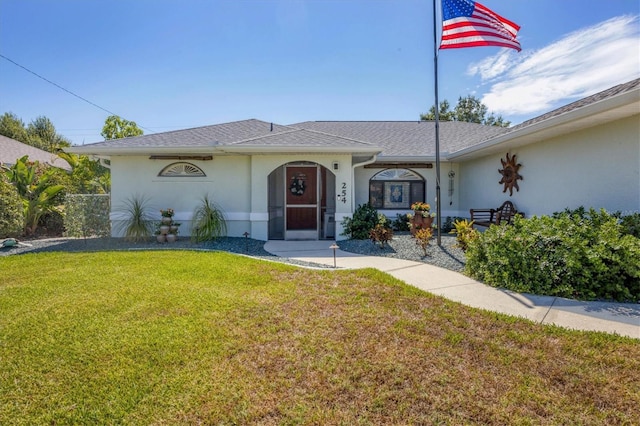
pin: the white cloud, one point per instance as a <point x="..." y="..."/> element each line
<point x="580" y="64"/>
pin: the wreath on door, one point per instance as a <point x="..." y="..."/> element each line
<point x="298" y="186"/>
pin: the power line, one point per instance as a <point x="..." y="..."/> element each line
<point x="62" y="88"/>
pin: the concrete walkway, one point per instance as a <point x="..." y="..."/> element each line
<point x="620" y="318"/>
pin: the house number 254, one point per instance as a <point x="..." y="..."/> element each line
<point x="342" y="195"/>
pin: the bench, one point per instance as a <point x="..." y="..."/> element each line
<point x="488" y="217"/>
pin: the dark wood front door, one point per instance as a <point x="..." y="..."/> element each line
<point x="301" y="187"/>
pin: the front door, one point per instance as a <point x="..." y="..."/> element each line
<point x="302" y="201"/>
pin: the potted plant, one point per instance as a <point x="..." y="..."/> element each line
<point x="422" y="217"/>
<point x="167" y="216"/>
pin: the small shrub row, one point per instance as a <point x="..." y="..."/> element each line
<point x="87" y="215"/>
<point x="577" y="254"/>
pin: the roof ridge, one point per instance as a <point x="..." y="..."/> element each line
<point x="295" y="129"/>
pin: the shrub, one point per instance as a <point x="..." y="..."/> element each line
<point x="381" y="234"/>
<point x="401" y="223"/>
<point x="423" y="237"/>
<point x="568" y="255"/>
<point x="448" y="224"/>
<point x="631" y="224"/>
<point x="465" y="233"/>
<point x="364" y="219"/>
<point x="208" y="222"/>
<point x="11" y="210"/>
<point x="87" y="215"/>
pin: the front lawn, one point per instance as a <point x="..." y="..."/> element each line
<point x="173" y="337"/>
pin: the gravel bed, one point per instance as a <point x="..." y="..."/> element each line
<point x="402" y="246"/>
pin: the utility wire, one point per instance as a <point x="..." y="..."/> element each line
<point x="62" y="88"/>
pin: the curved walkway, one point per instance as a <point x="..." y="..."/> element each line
<point x="620" y="318"/>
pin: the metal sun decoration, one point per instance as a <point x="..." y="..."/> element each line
<point x="510" y="174"/>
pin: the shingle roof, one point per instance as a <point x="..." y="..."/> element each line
<point x="400" y="139"/>
<point x="11" y="150"/>
<point x="408" y="138"/>
<point x="214" y="135"/>
<point x="615" y="90"/>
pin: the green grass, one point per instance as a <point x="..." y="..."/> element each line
<point x="211" y="338"/>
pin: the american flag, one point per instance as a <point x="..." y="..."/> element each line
<point x="466" y="23"/>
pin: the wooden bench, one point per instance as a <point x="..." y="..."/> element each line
<point x="488" y="217"/>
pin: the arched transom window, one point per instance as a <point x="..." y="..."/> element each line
<point x="181" y="169"/>
<point x="396" y="189"/>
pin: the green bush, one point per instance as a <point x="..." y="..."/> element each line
<point x="11" y="210"/>
<point x="573" y="255"/>
<point x="364" y="219"/>
<point x="401" y="223"/>
<point x="87" y="215"/>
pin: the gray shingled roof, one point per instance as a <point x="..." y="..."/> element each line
<point x="215" y="135"/>
<point x="395" y="138"/>
<point x="11" y="150"/>
<point x="408" y="138"/>
<point x="615" y="90"/>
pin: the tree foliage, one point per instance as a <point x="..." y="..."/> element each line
<point x="11" y="218"/>
<point x="40" y="133"/>
<point x="116" y="127"/>
<point x="37" y="189"/>
<point x="469" y="109"/>
<point x="87" y="176"/>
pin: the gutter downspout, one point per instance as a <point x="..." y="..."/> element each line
<point x="373" y="159"/>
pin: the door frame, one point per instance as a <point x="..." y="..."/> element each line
<point x="307" y="234"/>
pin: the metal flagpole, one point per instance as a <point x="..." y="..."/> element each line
<point x="437" y="116"/>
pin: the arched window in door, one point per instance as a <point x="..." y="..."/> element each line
<point x="396" y="189"/>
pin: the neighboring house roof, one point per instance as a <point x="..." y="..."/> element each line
<point x="392" y="140"/>
<point x="12" y="150"/>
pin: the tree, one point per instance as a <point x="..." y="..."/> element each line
<point x="468" y="109"/>
<point x="116" y="127"/>
<point x="40" y="133"/>
<point x="13" y="127"/>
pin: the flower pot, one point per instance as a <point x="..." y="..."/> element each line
<point x="164" y="229"/>
<point x="161" y="238"/>
<point x="173" y="228"/>
<point x="171" y="238"/>
<point x="166" y="220"/>
<point x="420" y="222"/>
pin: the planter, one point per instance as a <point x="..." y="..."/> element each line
<point x="173" y="228"/>
<point x="161" y="238"/>
<point x="166" y="220"/>
<point x="420" y="222"/>
<point x="171" y="238"/>
<point x="164" y="229"/>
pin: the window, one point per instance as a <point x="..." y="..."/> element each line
<point x="181" y="170"/>
<point x="395" y="189"/>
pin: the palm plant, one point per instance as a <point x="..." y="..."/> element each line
<point x="35" y="188"/>
<point x="137" y="224"/>
<point x="208" y="222"/>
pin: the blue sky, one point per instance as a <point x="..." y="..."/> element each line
<point x="169" y="65"/>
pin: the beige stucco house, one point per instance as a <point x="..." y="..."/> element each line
<point x="299" y="181"/>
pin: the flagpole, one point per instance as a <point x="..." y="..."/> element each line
<point x="437" y="117"/>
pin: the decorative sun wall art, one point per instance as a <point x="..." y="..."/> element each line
<point x="510" y="175"/>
